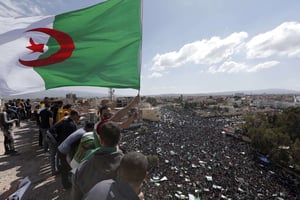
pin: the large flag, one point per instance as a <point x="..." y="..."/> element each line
<point x="96" y="46"/>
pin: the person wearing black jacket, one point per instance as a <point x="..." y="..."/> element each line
<point x="56" y="135"/>
<point x="46" y="122"/>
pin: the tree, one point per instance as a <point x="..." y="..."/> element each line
<point x="264" y="140"/>
<point x="152" y="101"/>
<point x="270" y="132"/>
<point x="280" y="156"/>
<point x="292" y="124"/>
<point x="295" y="149"/>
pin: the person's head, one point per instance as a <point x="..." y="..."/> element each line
<point x="60" y="103"/>
<point x="74" y="115"/>
<point x="105" y="112"/>
<point x="133" y="169"/>
<point x="109" y="134"/>
<point x="47" y="105"/>
<point x="89" y="126"/>
<point x="46" y="99"/>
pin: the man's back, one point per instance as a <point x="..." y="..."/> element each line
<point x="45" y="116"/>
<point x="64" y="128"/>
<point x="101" y="166"/>
<point x="127" y="186"/>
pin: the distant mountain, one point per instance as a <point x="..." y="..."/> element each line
<point x="246" y="92"/>
<point x="262" y="91"/>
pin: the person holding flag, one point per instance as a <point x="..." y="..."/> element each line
<point x="90" y="143"/>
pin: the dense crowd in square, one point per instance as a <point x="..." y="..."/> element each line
<point x="196" y="159"/>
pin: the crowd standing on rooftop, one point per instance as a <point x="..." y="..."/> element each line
<point x="58" y="127"/>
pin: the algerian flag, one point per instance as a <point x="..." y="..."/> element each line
<point x="95" y="46"/>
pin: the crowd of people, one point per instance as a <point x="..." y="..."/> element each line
<point x="196" y="160"/>
<point x="13" y="112"/>
<point x="62" y="140"/>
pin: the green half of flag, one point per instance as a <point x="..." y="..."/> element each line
<point x="107" y="39"/>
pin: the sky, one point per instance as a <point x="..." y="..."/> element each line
<point x="204" y="46"/>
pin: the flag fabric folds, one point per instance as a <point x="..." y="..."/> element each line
<point x="95" y="46"/>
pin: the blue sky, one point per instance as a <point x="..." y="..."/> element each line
<point x="200" y="46"/>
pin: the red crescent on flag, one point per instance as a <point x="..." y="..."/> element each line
<point x="66" y="49"/>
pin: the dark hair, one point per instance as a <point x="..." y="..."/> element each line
<point x="67" y="106"/>
<point x="109" y="133"/>
<point x="89" y="125"/>
<point x="47" y="105"/>
<point x="74" y="113"/>
<point x="60" y="102"/>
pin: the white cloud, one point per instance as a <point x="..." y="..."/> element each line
<point x="262" y="66"/>
<point x="284" y="40"/>
<point x="207" y="52"/>
<point x="227" y="67"/>
<point x="155" y="75"/>
<point x="234" y="67"/>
